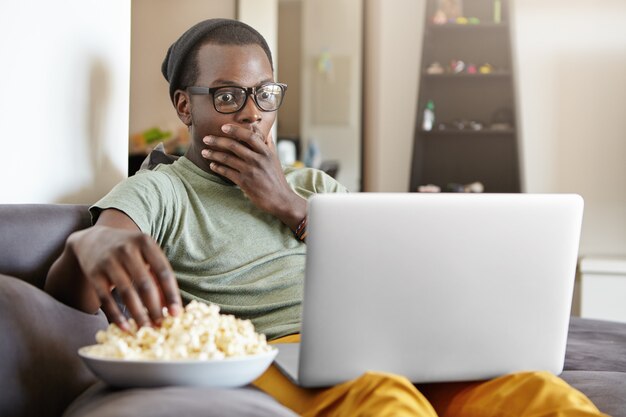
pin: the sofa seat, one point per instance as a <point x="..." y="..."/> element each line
<point x="595" y="362"/>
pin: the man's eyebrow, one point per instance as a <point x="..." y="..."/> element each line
<point x="223" y="81"/>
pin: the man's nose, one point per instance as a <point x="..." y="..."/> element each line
<point x="249" y="113"/>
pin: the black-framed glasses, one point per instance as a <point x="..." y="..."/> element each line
<point x="231" y="99"/>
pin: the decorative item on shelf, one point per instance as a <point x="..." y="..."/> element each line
<point x="449" y="9"/>
<point x="471" y="69"/>
<point x="429" y="116"/>
<point x="474" y="125"/>
<point x="474" y="187"/>
<point x="313" y="154"/>
<point x="462" y="124"/>
<point x="485" y="69"/>
<point x="501" y="126"/>
<point x="143" y="142"/>
<point x="502" y="119"/>
<point x="497" y="11"/>
<point x="155" y="134"/>
<point x="325" y="63"/>
<point x="455" y="188"/>
<point x="457" y="66"/>
<point x="429" y="188"/>
<point x="286" y="150"/>
<point x="440" y="18"/>
<point x="435" y="68"/>
<point x="459" y="124"/>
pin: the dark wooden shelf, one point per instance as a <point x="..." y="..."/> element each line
<point x="468" y="27"/>
<point x="465" y="75"/>
<point x="452" y="155"/>
<point x="468" y="132"/>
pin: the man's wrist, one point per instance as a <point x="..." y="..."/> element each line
<point x="294" y="213"/>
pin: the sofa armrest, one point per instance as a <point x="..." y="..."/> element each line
<point x="33" y="236"/>
<point x="40" y="370"/>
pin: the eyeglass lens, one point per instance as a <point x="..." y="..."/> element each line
<point x="231" y="99"/>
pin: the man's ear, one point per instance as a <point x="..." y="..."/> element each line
<point x="182" y="103"/>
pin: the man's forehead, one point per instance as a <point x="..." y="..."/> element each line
<point x="213" y="51"/>
<point x="231" y="62"/>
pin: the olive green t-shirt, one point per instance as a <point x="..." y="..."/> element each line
<point x="223" y="249"/>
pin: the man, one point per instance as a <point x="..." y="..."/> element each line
<point x="226" y="224"/>
<point x="225" y="214"/>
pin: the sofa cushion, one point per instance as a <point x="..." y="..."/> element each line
<point x="157" y="156"/>
<point x="607" y="390"/>
<point x="595" y="345"/>
<point x="595" y="362"/>
<point x="33" y="236"/>
<point x="41" y="373"/>
<point x="102" y="401"/>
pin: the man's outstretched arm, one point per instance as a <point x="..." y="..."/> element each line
<point x="114" y="253"/>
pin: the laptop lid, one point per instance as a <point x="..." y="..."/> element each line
<point x="436" y="287"/>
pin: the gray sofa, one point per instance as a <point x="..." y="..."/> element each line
<point x="40" y="374"/>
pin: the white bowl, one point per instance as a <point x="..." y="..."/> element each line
<point x="222" y="373"/>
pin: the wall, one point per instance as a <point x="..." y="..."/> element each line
<point x="572" y="95"/>
<point x="289" y="45"/>
<point x="263" y="16"/>
<point x="393" y="39"/>
<point x="331" y="113"/>
<point x="64" y="116"/>
<point x="156" y="24"/>
<point x="571" y="76"/>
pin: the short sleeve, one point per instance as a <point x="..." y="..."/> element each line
<point x="145" y="197"/>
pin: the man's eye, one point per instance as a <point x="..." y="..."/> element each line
<point x="226" y="97"/>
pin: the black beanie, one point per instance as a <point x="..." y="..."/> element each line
<point x="176" y="54"/>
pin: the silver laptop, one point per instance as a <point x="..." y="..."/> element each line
<point x="435" y="287"/>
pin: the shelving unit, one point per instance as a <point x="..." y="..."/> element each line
<point x="455" y="152"/>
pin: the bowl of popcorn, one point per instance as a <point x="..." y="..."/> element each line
<point x="200" y="347"/>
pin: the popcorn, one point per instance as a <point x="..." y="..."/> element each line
<point x="199" y="333"/>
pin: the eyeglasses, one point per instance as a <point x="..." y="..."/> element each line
<point x="231" y="99"/>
